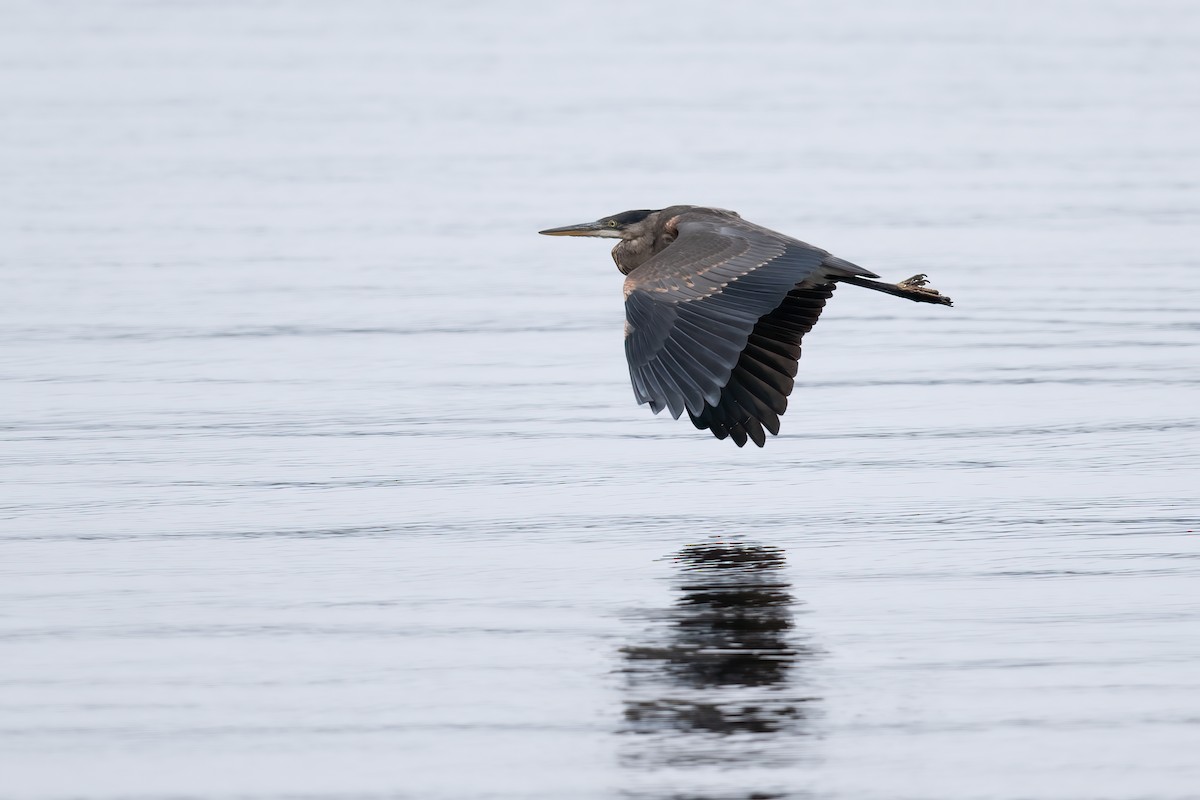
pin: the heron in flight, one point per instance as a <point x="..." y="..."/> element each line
<point x="715" y="308"/>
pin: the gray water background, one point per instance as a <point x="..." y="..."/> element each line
<point x="322" y="476"/>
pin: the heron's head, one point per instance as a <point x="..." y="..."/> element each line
<point x="626" y="225"/>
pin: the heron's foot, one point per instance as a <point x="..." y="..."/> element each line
<point x="917" y="288"/>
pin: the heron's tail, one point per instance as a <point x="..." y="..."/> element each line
<point x="912" y="289"/>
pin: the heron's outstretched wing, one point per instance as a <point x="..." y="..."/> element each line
<point x="758" y="388"/>
<point x="714" y="322"/>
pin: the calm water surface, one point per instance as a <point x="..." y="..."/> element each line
<point x="322" y="477"/>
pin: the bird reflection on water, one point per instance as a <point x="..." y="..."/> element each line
<point x="718" y="683"/>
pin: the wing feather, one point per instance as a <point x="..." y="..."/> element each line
<point x="781" y="330"/>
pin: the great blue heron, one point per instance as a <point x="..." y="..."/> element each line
<point x="715" y="308"/>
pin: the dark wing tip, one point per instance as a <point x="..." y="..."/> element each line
<point x="756" y="393"/>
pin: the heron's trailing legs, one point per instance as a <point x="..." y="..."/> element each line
<point x="913" y="288"/>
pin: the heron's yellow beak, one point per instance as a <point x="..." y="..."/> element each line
<point x="584" y="229"/>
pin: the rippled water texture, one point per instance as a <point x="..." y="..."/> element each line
<point x="321" y="473"/>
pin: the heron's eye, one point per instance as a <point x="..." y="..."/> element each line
<point x="612" y="223"/>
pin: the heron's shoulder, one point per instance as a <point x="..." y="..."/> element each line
<point x="723" y="222"/>
<point x="698" y="215"/>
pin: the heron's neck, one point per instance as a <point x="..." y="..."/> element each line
<point x="629" y="254"/>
